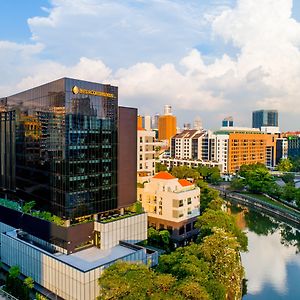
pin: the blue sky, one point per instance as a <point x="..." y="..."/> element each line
<point x="14" y="16"/>
<point x="209" y="58"/>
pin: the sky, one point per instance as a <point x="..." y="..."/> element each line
<point x="207" y="58"/>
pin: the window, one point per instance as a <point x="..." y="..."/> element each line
<point x="180" y="203"/>
<point x="188" y="227"/>
<point x="181" y="230"/>
<point x="189" y="200"/>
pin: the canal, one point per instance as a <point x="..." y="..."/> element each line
<point x="272" y="264"/>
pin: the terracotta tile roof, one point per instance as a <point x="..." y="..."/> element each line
<point x="184" y="182"/>
<point x="141" y="128"/>
<point x="163" y="175"/>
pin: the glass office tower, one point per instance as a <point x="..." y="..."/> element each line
<point x="61" y="139"/>
<point x="261" y="118"/>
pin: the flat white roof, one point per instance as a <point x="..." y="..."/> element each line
<point x="94" y="257"/>
<point x="86" y="259"/>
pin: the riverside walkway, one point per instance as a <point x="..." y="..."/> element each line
<point x="261" y="205"/>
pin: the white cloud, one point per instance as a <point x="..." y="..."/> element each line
<point x="266" y="262"/>
<point x="148" y="49"/>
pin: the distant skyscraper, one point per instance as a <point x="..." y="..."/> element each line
<point x="147" y="122"/>
<point x="139" y="121"/>
<point x="198" y="123"/>
<point x="167" y="110"/>
<point x="167" y="124"/>
<point x="155" y="121"/>
<point x="227" y="122"/>
<point x="261" y="118"/>
<point x="187" y="126"/>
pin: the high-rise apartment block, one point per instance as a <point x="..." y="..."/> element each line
<point x="193" y="144"/>
<point x="167" y="124"/>
<point x="171" y="204"/>
<point x="264" y="118"/>
<point x="145" y="154"/>
<point x="240" y="146"/>
<point x="147" y="123"/>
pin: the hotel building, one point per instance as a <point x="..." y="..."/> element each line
<point x="172" y="204"/>
<point x="68" y="146"/>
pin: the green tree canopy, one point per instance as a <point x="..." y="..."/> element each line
<point x="221" y="250"/>
<point x="257" y="177"/>
<point x="207" y="194"/>
<point x="160" y="167"/>
<point x="134" y="281"/>
<point x="185" y="172"/>
<point x="212" y="219"/>
<point x="285" y="165"/>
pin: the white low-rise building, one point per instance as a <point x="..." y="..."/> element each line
<point x="145" y="154"/>
<point x="172" y="204"/>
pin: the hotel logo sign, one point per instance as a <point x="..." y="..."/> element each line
<point x="77" y="90"/>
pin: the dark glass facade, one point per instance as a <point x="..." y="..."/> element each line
<point x="261" y="118"/>
<point x="60" y="146"/>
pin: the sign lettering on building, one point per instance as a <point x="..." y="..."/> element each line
<point x="77" y="90"/>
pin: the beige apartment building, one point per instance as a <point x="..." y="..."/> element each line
<point x="145" y="154"/>
<point x="172" y="204"/>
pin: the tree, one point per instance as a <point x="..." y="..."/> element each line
<point x="130" y="281"/>
<point x="257" y="177"/>
<point x="221" y="250"/>
<point x="160" y="167"/>
<point x="212" y="219"/>
<point x="185" y="172"/>
<point x="237" y="184"/>
<point x="210" y="174"/>
<point x="285" y="165"/>
<point x="289" y="192"/>
<point x="161" y="239"/>
<point x="207" y="194"/>
<point x="288" y="178"/>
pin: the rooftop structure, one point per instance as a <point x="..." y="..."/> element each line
<point x="261" y="118"/>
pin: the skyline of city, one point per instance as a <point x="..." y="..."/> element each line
<point x="149" y="149"/>
<point x="213" y="63"/>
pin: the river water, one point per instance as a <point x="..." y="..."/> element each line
<point x="272" y="264"/>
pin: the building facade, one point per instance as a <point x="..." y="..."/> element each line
<point x="64" y="139"/>
<point x="193" y="145"/>
<point x="264" y="118"/>
<point x="227" y="122"/>
<point x="69" y="147"/>
<point x="145" y="154"/>
<point x="171" y="204"/>
<point x="240" y="146"/>
<point x="167" y="124"/>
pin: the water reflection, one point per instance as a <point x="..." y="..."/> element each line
<point x="272" y="263"/>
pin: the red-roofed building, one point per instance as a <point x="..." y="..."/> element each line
<point x="172" y="204"/>
<point x="163" y="175"/>
<point x="185" y="182"/>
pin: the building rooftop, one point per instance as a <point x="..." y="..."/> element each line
<point x="141" y="129"/>
<point x="184" y="182"/>
<point x="163" y="175"/>
<point x="86" y="259"/>
<point x="94" y="257"/>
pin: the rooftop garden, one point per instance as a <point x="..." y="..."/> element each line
<point x="27" y="208"/>
<point x="133" y="210"/>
